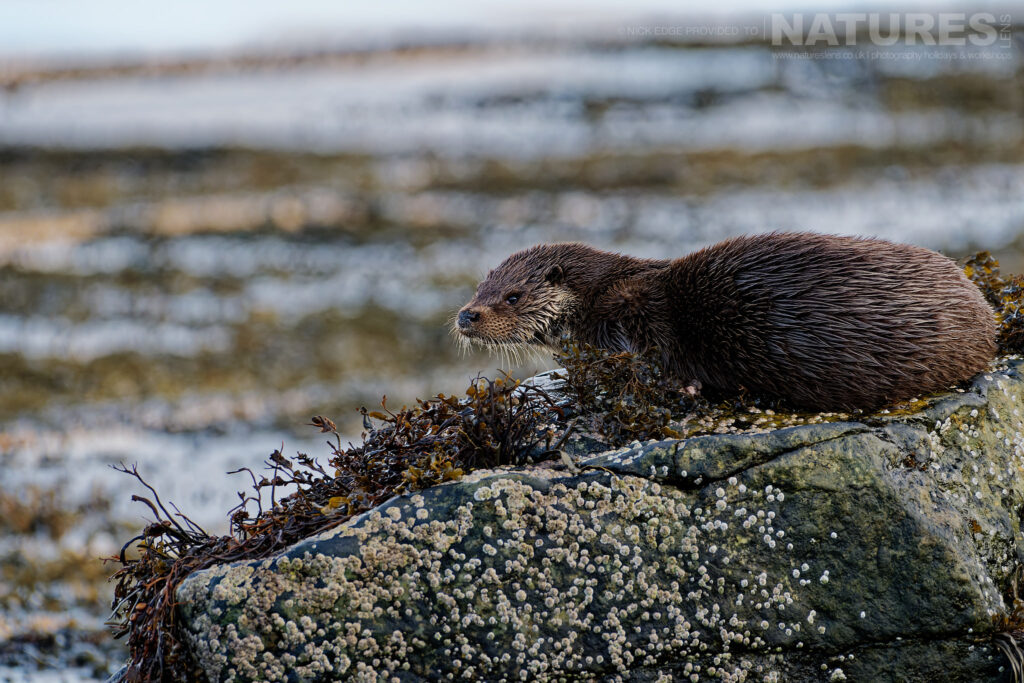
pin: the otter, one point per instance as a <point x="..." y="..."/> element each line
<point x="818" y="322"/>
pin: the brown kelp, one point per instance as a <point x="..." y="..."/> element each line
<point x="623" y="396"/>
<point x="1009" y="625"/>
<point x="497" y="422"/>
<point x="1005" y="294"/>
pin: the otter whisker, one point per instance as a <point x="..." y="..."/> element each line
<point x="538" y="356"/>
<point x="461" y="341"/>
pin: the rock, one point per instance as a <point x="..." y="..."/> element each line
<point x="877" y="550"/>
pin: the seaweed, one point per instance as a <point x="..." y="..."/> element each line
<point x="624" y="396"/>
<point x="497" y="422"/>
<point x="1006" y="296"/>
<point x="1009" y="625"/>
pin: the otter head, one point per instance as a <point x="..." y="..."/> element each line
<point x="522" y="302"/>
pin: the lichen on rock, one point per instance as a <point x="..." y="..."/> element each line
<point x="873" y="550"/>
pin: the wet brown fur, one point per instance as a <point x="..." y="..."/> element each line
<point x="821" y="322"/>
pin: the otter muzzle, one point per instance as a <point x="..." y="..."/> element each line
<point x="467" y="318"/>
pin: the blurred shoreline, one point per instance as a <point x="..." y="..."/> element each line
<point x="608" y="31"/>
<point x="199" y="253"/>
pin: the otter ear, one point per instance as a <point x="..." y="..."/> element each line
<point x="554" y="275"/>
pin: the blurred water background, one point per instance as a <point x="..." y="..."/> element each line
<point x="218" y="221"/>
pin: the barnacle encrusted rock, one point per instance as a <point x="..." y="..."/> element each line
<point x="878" y="550"/>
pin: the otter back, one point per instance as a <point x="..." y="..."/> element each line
<point x="826" y="322"/>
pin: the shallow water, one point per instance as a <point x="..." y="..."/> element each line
<point x="292" y="242"/>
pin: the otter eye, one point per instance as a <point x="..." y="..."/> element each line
<point x="511" y="299"/>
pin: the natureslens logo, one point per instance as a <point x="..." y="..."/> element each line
<point x="980" y="29"/>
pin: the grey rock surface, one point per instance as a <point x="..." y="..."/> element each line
<point x="876" y="550"/>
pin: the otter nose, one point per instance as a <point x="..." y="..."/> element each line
<point x="467" y="318"/>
